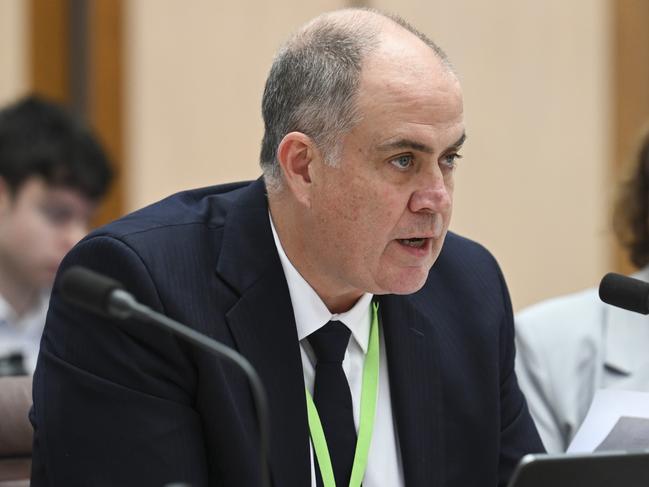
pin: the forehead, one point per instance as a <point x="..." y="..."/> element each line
<point x="405" y="87"/>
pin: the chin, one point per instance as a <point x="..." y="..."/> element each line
<point x="405" y="290"/>
<point x="406" y="284"/>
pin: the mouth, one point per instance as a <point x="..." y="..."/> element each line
<point x="417" y="242"/>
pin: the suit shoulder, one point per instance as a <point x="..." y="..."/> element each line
<point x="466" y="268"/>
<point x="461" y="252"/>
<point x="457" y="243"/>
<point x="206" y="207"/>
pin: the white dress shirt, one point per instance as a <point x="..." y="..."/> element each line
<point x="22" y="334"/>
<point x="384" y="466"/>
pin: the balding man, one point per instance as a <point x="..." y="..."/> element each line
<point x="321" y="274"/>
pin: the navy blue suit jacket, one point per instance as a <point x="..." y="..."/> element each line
<point x="120" y="404"/>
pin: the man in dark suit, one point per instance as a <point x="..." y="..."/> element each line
<point x="364" y="122"/>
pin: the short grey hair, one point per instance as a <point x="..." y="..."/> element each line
<point x="313" y="83"/>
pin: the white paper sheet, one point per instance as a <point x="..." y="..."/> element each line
<point x="609" y="405"/>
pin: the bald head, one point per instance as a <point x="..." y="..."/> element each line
<point x="375" y="23"/>
<point x="313" y="84"/>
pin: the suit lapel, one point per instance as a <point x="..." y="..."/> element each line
<point x="263" y="326"/>
<point x="415" y="386"/>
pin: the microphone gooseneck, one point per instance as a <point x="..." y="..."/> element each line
<point x="102" y="295"/>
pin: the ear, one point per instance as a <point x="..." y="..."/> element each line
<point x="296" y="153"/>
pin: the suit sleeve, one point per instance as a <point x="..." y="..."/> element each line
<point x="518" y="434"/>
<point x="113" y="400"/>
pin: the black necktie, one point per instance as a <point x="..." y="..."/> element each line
<point x="333" y="398"/>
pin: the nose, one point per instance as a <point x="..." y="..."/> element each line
<point x="433" y="195"/>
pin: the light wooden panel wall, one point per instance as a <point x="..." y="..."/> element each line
<point x="106" y="94"/>
<point x="13" y="50"/>
<point x="532" y="186"/>
<point x="554" y="93"/>
<point x="195" y="77"/>
<point x="49" y="57"/>
<point x="52" y="62"/>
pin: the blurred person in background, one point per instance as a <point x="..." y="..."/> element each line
<point x="571" y="346"/>
<point x="53" y="173"/>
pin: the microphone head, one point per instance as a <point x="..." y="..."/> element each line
<point x="625" y="292"/>
<point x="88" y="289"/>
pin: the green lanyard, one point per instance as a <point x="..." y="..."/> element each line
<point x="368" y="408"/>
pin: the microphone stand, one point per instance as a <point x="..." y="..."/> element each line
<point x="123" y="305"/>
<point x="100" y="294"/>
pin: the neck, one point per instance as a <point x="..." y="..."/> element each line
<point x="290" y="230"/>
<point x="340" y="303"/>
<point x="20" y="295"/>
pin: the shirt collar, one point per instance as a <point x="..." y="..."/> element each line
<point x="33" y="318"/>
<point x="310" y="311"/>
<point x="7" y="314"/>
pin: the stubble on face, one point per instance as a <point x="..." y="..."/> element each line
<point x="365" y="208"/>
<point x="368" y="224"/>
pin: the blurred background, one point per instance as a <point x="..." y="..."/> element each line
<point x="555" y="94"/>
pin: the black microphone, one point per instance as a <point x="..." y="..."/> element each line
<point x="625" y="292"/>
<point x="12" y="364"/>
<point x="102" y="295"/>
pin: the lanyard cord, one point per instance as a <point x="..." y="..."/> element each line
<point x="369" y="394"/>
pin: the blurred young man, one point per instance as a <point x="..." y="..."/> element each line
<point x="53" y="173"/>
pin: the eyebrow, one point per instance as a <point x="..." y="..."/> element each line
<point x="417" y="146"/>
<point x="459" y="142"/>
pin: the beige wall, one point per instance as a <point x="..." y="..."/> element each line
<point x="532" y="186"/>
<point x="195" y="76"/>
<point x="13" y="49"/>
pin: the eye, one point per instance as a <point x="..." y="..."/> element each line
<point x="57" y="215"/>
<point x="402" y="162"/>
<point x="450" y="160"/>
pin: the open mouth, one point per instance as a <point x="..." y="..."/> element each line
<point x="413" y="242"/>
